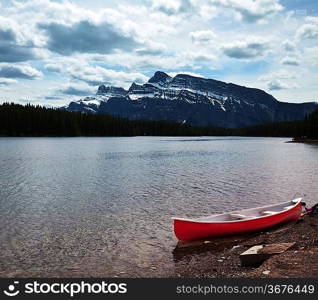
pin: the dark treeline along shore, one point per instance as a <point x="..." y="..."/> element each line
<point x="29" y="120"/>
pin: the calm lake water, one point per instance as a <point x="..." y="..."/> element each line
<point x="103" y="206"/>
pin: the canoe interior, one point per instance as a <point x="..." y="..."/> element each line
<point x="246" y="214"/>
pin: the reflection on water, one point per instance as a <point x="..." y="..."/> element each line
<point x="103" y="206"/>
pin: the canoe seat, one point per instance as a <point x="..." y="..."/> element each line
<point x="267" y="212"/>
<point x="237" y="217"/>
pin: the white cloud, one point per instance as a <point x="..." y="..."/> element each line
<point x="311" y="56"/>
<point x="198" y="56"/>
<point x="288" y="46"/>
<point x="249" y="10"/>
<point x="172" y="74"/>
<point x="6" y="81"/>
<point x="98" y="75"/>
<point x="281" y="80"/>
<point x="280" y="74"/>
<point x="86" y="37"/>
<point x="312" y="19"/>
<point x="291" y="61"/>
<point x="173" y="61"/>
<point x="208" y="12"/>
<point x="54" y="68"/>
<point x="14" y="47"/>
<point x="19" y="71"/>
<point x="276" y="84"/>
<point x="172" y="7"/>
<point x="307" y="31"/>
<point x="202" y="36"/>
<point x="74" y="89"/>
<point x="64" y="12"/>
<point x="151" y="48"/>
<point x="66" y="19"/>
<point x="148" y="62"/>
<point x="251" y="48"/>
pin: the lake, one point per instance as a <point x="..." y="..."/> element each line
<point x="102" y="207"/>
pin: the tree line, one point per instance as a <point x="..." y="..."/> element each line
<point x="30" y="120"/>
<point x="302" y="129"/>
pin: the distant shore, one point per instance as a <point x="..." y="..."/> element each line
<point x="306" y="141"/>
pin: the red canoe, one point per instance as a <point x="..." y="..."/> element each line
<point x="237" y="222"/>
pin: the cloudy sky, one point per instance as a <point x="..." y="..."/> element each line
<point x="54" y="51"/>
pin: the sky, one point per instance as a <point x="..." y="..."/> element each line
<point x="56" y="51"/>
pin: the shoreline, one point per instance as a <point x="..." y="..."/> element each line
<point x="304" y="141"/>
<point x="220" y="257"/>
<point x="212" y="258"/>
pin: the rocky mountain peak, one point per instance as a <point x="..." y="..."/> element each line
<point x="102" y="89"/>
<point x="159" y="77"/>
<point x="134" y="86"/>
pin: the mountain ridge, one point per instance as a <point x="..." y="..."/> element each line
<point x="198" y="101"/>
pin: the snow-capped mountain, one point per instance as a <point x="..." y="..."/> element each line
<point x="194" y="100"/>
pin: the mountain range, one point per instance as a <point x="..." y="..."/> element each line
<point x="193" y="100"/>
